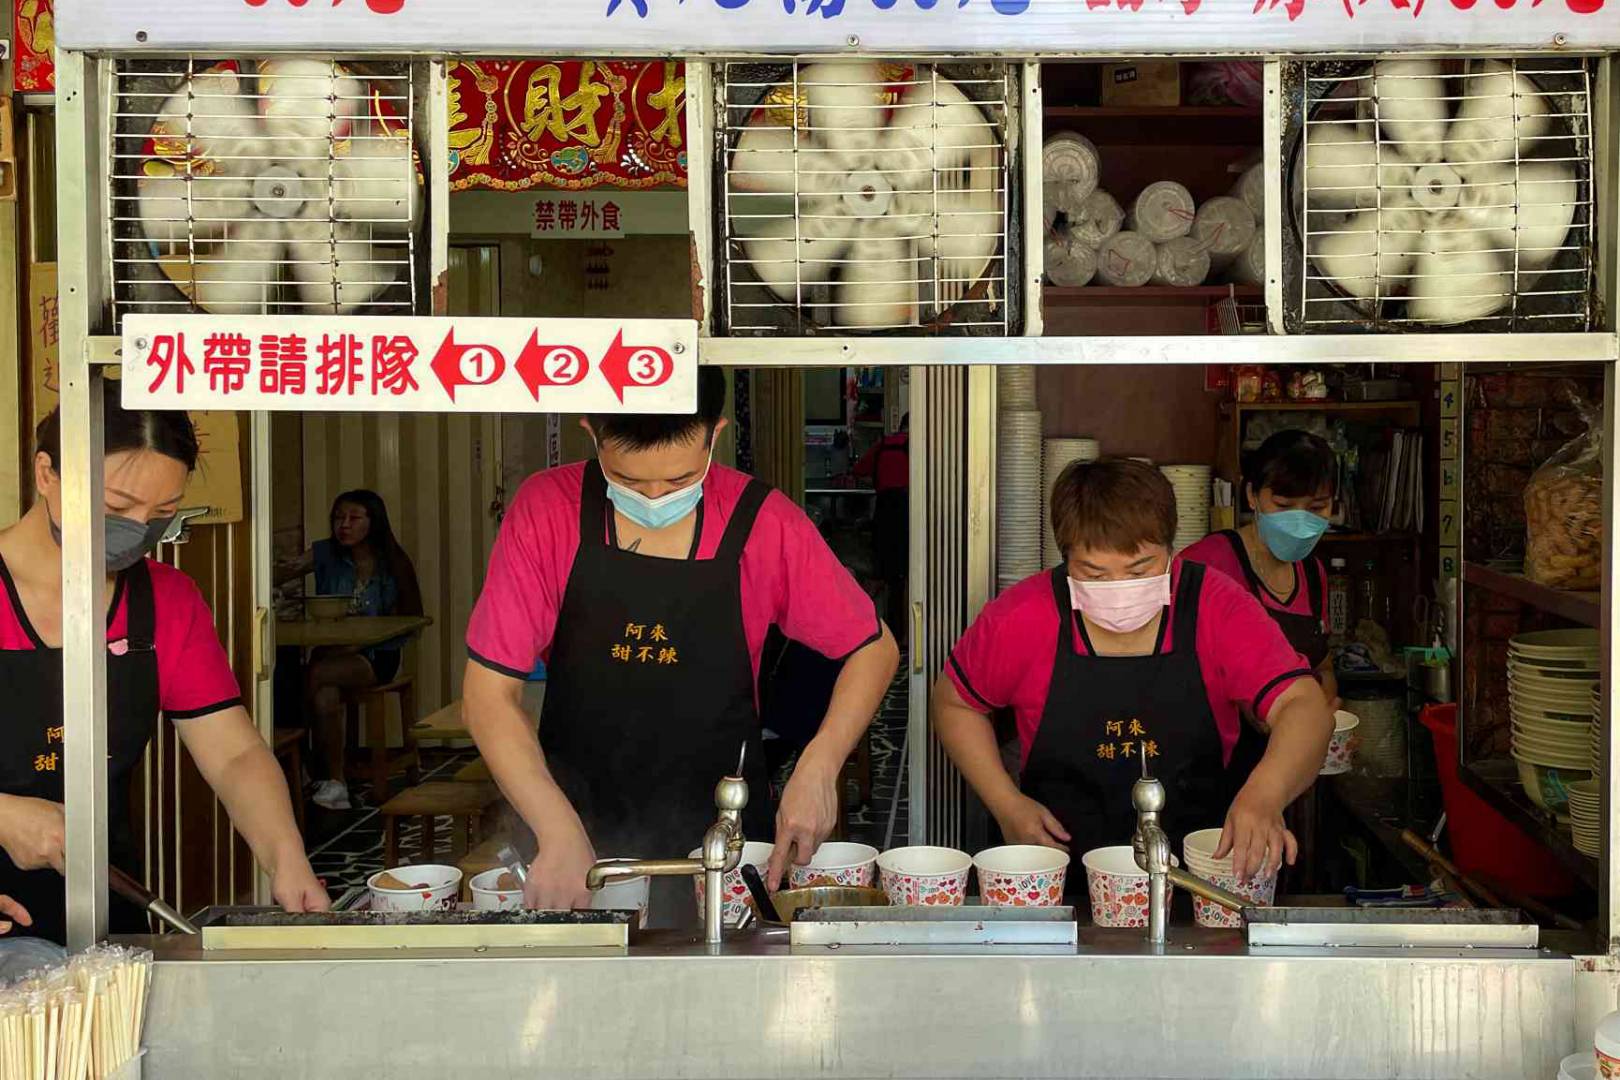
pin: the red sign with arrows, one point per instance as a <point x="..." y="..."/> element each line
<point x="311" y="363"/>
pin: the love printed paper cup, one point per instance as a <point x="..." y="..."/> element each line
<point x="1338" y="752"/>
<point x="425" y="888"/>
<point x="1118" y="887"/>
<point x="837" y="863"/>
<point x="488" y="896"/>
<point x="927" y="876"/>
<point x="1199" y="851"/>
<point x="735" y="903"/>
<point x="1021" y="875"/>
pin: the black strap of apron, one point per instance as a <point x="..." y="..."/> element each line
<point x="743" y="516"/>
<point x="1188" y="590"/>
<point x="1312" y="569"/>
<point x="141" y="622"/>
<point x="1259" y="588"/>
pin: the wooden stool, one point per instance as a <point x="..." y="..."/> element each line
<point x="474" y="772"/>
<point x="464" y="804"/>
<point x="288" y="746"/>
<point x="370" y="706"/>
<point x="442" y="725"/>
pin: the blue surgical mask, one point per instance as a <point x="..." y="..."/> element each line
<point x="1291" y="534"/>
<point x="662" y="512"/>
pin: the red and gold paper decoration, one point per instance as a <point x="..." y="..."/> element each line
<point x="34" y="35"/>
<point x="573" y="125"/>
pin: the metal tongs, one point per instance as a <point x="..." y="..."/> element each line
<point x="514" y="865"/>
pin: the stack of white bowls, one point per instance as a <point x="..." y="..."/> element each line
<point x="1191" y="484"/>
<point x="1018" y="496"/>
<point x="1015" y="387"/>
<point x="1598" y="769"/>
<point x="1585" y="817"/>
<point x="1056" y="456"/>
<point x="1552" y="679"/>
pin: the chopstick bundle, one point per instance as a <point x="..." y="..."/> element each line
<point x="80" y="1021"/>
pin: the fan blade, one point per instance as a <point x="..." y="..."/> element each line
<point x="309" y="106"/>
<point x="786" y="265"/>
<point x="1361" y="260"/>
<point x="235" y="276"/>
<point x="376" y="182"/>
<point x="970" y="224"/>
<point x="877" y="286"/>
<point x="210" y="117"/>
<point x="1343" y="166"/>
<point x="1409" y="97"/>
<point x="175" y="211"/>
<point x="845" y="103"/>
<point x="1452" y="287"/>
<point x="1549" y="195"/>
<point x="762" y="163"/>
<point x="1502" y="117"/>
<point x="338" y="269"/>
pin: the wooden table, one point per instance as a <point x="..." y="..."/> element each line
<point x="355" y="631"/>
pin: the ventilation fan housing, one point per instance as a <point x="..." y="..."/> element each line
<point x="275" y="186"/>
<point x="1429" y="194"/>
<point x="863" y="196"/>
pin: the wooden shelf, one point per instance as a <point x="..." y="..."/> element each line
<point x="1326" y="406"/>
<point x="1369" y="537"/>
<point x="1154" y="112"/>
<point x="1578" y="607"/>
<point x="1201" y="295"/>
<point x="1495" y="787"/>
<point x="1161" y="125"/>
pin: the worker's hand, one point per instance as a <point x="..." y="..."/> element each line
<point x="1026" y="821"/>
<point x="296" y="888"/>
<point x="806" y="815"/>
<point x="14" y="913"/>
<point x="1255" y="835"/>
<point x="34" y="833"/>
<point x="556" y="879"/>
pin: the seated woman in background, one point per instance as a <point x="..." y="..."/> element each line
<point x="363" y="560"/>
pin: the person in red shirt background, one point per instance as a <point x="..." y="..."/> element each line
<point x="646" y="580"/>
<point x="888" y="463"/>
<point x="1116" y="655"/>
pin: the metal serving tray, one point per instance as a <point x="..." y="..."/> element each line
<point x="268" y="928"/>
<point x="1436" y="928"/>
<point x="935" y="926"/>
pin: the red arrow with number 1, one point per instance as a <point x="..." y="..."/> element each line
<point x="450" y="364"/>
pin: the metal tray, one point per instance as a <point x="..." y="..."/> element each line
<point x="935" y="926"/>
<point x="269" y="928"/>
<point x="1436" y="928"/>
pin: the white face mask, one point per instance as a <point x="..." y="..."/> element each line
<point x="1121" y="606"/>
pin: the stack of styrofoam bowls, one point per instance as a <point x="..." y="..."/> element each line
<point x="1381" y="735"/>
<point x="1552" y="675"/>
<point x="1585" y="816"/>
<point x="1015" y="387"/>
<point x="1057" y="455"/>
<point x="1598" y="768"/>
<point x="1191" y="485"/>
<point x="1018" y="496"/>
<point x="1198" y="851"/>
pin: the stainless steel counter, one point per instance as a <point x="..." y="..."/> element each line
<point x="1208" y="1007"/>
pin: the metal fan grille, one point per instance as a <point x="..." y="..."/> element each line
<point x="1354" y="266"/>
<point x="341" y="146"/>
<point x="958" y="205"/>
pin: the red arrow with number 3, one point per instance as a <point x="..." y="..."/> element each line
<point x="634" y="365"/>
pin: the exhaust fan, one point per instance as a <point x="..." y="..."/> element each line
<point x="863" y="196"/>
<point x="288" y="186"/>
<point x="1432" y="194"/>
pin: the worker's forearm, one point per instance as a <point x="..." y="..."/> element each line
<point x="1300" y="730"/>
<point x="970" y="740"/>
<point x="1329" y="680"/>
<point x="856" y="697"/>
<point x="254" y="791"/>
<point x="501" y="730"/>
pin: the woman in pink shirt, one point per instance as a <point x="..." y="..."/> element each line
<point x="162" y="656"/>
<point x="1114" y="657"/>
<point x="646" y="580"/>
<point x="1289" y="485"/>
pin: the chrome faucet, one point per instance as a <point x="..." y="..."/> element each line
<point x="721" y="851"/>
<point x="1151" y="846"/>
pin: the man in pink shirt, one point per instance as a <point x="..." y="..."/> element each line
<point x="1115" y="656"/>
<point x="646" y="581"/>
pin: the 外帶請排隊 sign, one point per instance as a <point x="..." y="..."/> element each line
<point x="914" y="27"/>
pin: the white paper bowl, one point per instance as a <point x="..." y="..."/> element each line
<point x="486" y="897"/>
<point x="1118" y="887"/>
<point x="837" y="863"/>
<point x="1338" y="751"/>
<point x="931" y="876"/>
<point x="1021" y="875"/>
<point x="441" y="885"/>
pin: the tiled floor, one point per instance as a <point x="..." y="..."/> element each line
<point x="348" y="845"/>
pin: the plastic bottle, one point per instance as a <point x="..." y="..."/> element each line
<point x="1606" y="1043"/>
<point x="1338" y="599"/>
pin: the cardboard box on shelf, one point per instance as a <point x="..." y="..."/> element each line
<point x="1141" y="83"/>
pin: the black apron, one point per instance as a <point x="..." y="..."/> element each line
<point x="1100" y="711"/>
<point x="1304" y="633"/>
<point x="650" y="694"/>
<point x="32" y="763"/>
<point x="891" y="531"/>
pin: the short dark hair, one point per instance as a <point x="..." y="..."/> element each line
<point x="1294" y="464"/>
<point x="1116" y="504"/>
<point x="166" y="432"/>
<point x="647" y="432"/>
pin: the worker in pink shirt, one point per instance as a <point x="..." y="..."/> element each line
<point x="1114" y="656"/>
<point x="646" y="580"/>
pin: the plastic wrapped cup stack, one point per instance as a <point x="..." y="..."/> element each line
<point x="1163" y="211"/>
<point x="1068" y="262"/>
<point x="1099" y="218"/>
<point x="1127" y="258"/>
<point x="1069" y="168"/>
<point x="1182" y="262"/>
<point x="1226" y="227"/>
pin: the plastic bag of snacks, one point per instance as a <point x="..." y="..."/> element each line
<point x="1563" y="510"/>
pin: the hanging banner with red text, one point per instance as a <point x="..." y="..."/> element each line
<point x="314" y="364"/>
<point x="565" y="28"/>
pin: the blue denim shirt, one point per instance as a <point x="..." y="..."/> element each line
<point x="335" y="575"/>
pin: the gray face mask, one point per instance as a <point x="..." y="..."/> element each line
<point x="127" y="541"/>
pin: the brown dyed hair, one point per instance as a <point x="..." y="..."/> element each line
<point x="1115" y="504"/>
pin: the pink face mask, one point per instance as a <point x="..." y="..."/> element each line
<point x="1121" y="606"/>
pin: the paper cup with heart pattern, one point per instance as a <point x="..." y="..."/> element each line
<point x="1118" y="887"/>
<point x="927" y="876"/>
<point x="1338" y="751"/>
<point x="1199" y="850"/>
<point x="735" y="903"/>
<point x="433" y="888"/>
<point x="1021" y="875"/>
<point x="837" y="863"/>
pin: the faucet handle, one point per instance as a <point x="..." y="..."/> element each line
<point x="731" y="793"/>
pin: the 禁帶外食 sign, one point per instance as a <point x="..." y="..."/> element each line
<point x="313" y="364"/>
<point x="899" y="27"/>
